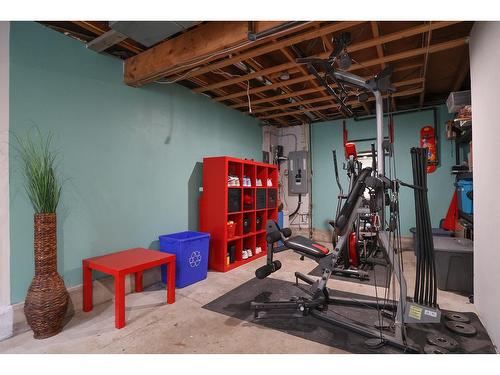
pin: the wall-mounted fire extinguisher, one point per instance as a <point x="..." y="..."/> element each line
<point x="428" y="141"/>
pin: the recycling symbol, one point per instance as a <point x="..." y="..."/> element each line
<point x="195" y="259"/>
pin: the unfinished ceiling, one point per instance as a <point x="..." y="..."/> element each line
<point x="257" y="73"/>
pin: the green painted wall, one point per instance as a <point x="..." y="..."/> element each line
<point x="130" y="156"/>
<point x="328" y="135"/>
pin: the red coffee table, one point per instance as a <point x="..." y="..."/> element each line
<point x="119" y="265"/>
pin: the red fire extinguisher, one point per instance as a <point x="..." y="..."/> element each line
<point x="428" y="141"/>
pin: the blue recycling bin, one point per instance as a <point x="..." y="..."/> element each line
<point x="191" y="256"/>
<point x="465" y="204"/>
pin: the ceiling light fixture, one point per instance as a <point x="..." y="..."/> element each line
<point x="285" y="76"/>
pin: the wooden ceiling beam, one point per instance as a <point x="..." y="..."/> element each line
<point x="408" y="82"/>
<point x="353" y="103"/>
<point x="291" y="58"/>
<point x="356" y="47"/>
<point x="398" y="35"/>
<point x="265" y="88"/>
<point x="201" y="44"/>
<point x="254" y="65"/>
<point x="380" y="53"/>
<point x="314" y="89"/>
<point x="397" y="56"/>
<point x="198" y="81"/>
<point x="275" y="46"/>
<point x="285" y="95"/>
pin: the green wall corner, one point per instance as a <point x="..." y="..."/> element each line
<point x="130" y="157"/>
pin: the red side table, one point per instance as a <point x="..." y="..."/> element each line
<point x="119" y="265"/>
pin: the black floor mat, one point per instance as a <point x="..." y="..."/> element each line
<point x="236" y="303"/>
<point x="378" y="276"/>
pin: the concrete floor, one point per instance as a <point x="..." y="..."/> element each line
<point x="184" y="327"/>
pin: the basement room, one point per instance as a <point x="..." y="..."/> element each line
<point x="210" y="181"/>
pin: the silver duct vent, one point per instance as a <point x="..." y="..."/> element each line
<point x="149" y="33"/>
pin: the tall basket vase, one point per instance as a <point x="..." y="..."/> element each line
<point x="47" y="299"/>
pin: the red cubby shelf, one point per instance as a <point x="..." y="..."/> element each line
<point x="216" y="211"/>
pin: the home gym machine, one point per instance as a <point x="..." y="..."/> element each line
<point x="361" y="252"/>
<point x="384" y="208"/>
<point x="348" y="259"/>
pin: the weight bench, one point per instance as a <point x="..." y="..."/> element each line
<point x="318" y="300"/>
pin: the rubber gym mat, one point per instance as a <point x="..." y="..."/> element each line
<point x="236" y="304"/>
<point x="377" y="275"/>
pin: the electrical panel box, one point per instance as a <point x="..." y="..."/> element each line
<point x="298" y="172"/>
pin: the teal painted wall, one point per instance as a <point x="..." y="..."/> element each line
<point x="328" y="135"/>
<point x="130" y="156"/>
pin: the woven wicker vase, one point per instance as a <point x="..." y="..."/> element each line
<point x="47" y="299"/>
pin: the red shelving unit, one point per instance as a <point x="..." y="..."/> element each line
<point x="221" y="203"/>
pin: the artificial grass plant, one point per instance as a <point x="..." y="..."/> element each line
<point x="41" y="183"/>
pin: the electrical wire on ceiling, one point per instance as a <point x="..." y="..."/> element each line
<point x="223" y="73"/>
<point x="363" y="66"/>
<point x="426" y="59"/>
<point x="248" y="96"/>
<point x="176" y="79"/>
<point x="196" y="62"/>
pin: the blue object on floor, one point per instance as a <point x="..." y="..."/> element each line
<point x="280" y="224"/>
<point x="464" y="202"/>
<point x="191" y="256"/>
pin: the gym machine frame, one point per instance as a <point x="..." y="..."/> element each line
<point x="405" y="311"/>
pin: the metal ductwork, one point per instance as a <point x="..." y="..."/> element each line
<point x="149" y="33"/>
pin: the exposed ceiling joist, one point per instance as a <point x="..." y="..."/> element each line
<point x="263" y="74"/>
<point x="353" y="103"/>
<point x="201" y="45"/>
<point x="356" y="47"/>
<point x="336" y="27"/>
<point x="314" y="90"/>
<point x="380" y="53"/>
<point x="324" y="99"/>
<point x="395" y="57"/>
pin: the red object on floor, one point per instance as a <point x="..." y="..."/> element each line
<point x="119" y="265"/>
<point x="353" y="254"/>
<point x="451" y="219"/>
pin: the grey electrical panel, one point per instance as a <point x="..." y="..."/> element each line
<point x="298" y="172"/>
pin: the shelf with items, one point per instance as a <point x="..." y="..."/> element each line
<point x="245" y="208"/>
<point x="260" y="220"/>
<point x="461" y="133"/>
<point x="272" y="175"/>
<point x="234" y="225"/>
<point x="249" y="175"/>
<point x="248" y="199"/>
<point x="248" y="222"/>
<point x="261" y="177"/>
<point x="244" y="261"/>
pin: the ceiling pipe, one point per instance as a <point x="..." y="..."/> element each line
<point x="253" y="36"/>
